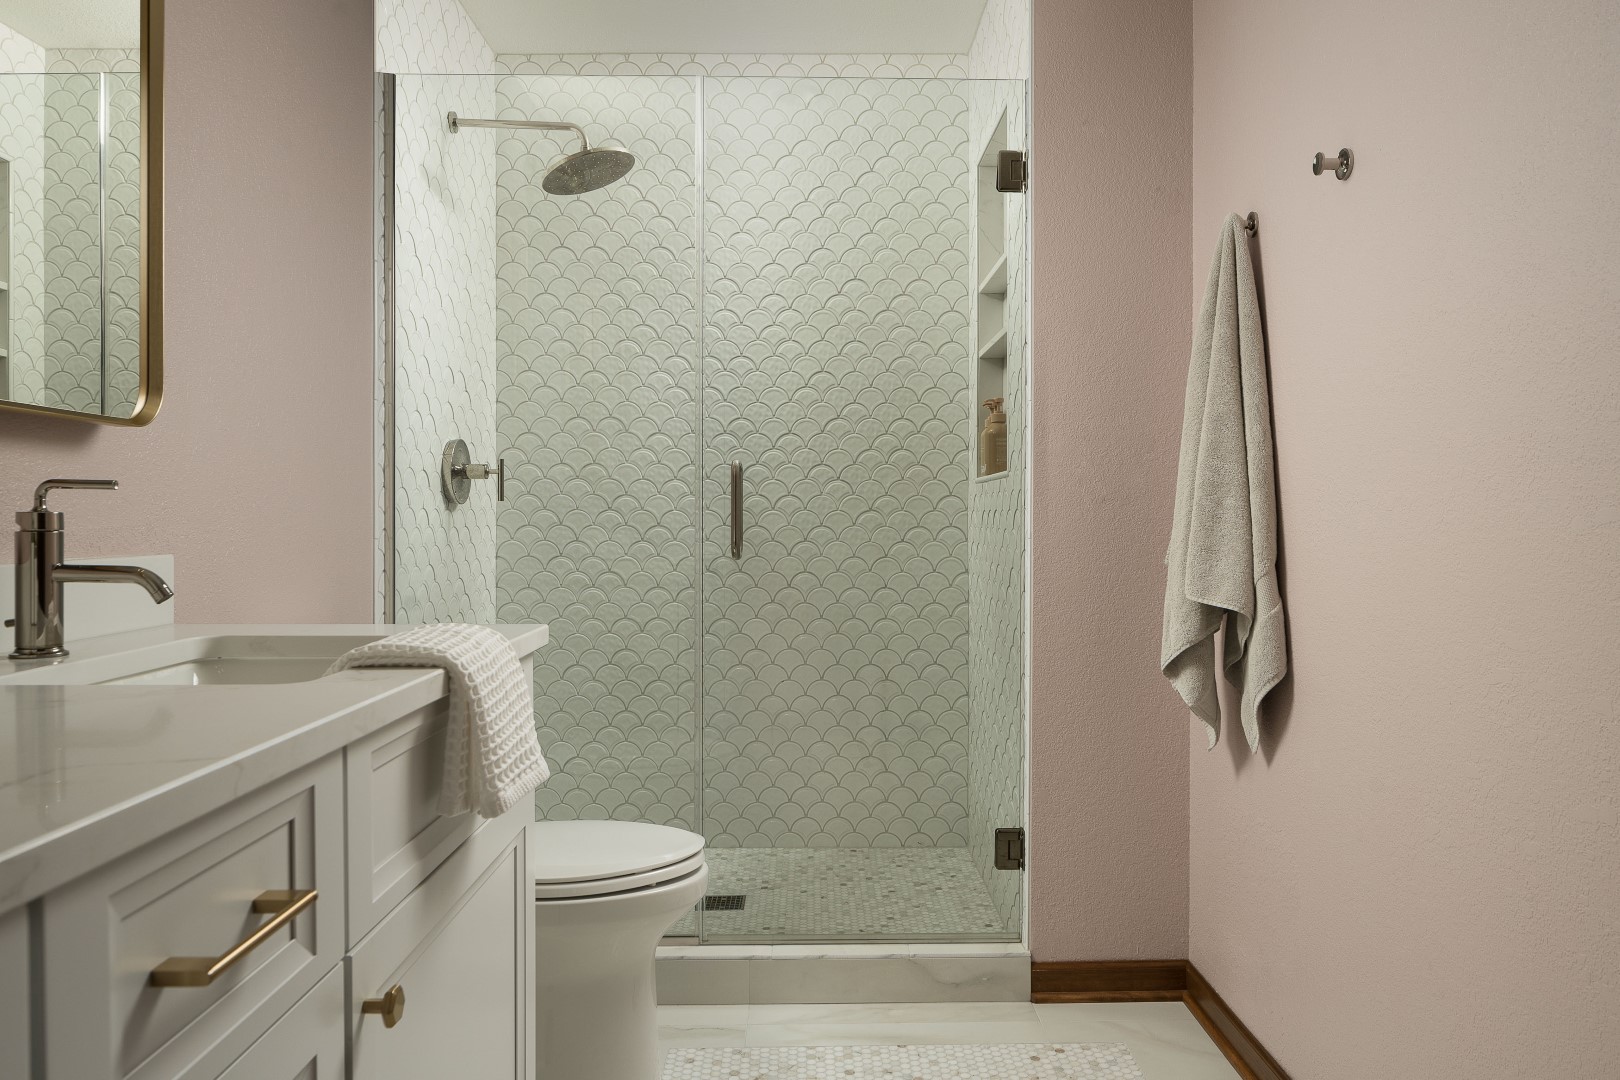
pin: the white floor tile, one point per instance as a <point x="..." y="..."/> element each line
<point x="1163" y="1037"/>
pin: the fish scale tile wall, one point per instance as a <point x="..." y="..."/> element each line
<point x="598" y="337"/>
<point x="599" y="351"/>
<point x="996" y="515"/>
<point x="835" y="353"/>
<point x="74" y="330"/>
<point x="604" y="542"/>
<point x="50" y="133"/>
<point x="444" y="206"/>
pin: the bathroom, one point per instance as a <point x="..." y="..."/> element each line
<point x="882" y="667"/>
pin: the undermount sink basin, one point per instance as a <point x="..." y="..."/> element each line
<point x="230" y="671"/>
<point x="213" y="660"/>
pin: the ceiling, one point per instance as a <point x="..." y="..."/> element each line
<point x="726" y="26"/>
<point x="75" y="24"/>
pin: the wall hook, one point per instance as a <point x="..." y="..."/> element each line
<point x="1339" y="166"/>
<point x="1251" y="224"/>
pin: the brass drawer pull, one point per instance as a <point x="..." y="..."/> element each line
<point x="391" y="1006"/>
<point x="285" y="904"/>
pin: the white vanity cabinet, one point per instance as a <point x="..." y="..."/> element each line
<point x="384" y="893"/>
<point x="15" y="1014"/>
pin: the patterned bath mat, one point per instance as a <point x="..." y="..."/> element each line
<point x="1023" y="1061"/>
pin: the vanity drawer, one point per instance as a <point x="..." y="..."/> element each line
<point x="396" y="834"/>
<point x="193" y="893"/>
<point x="306" y="1044"/>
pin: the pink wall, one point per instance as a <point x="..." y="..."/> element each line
<point x="257" y="472"/>
<point x="1112" y="190"/>
<point x="1420" y="876"/>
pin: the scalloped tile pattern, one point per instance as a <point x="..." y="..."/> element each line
<point x="56" y="272"/>
<point x="1000" y="48"/>
<point x="121" y="351"/>
<point x="836" y="349"/>
<point x="444" y="204"/>
<point x="444" y="377"/>
<point x="22" y="143"/>
<point x="598" y="335"/>
<point x="996" y="552"/>
<point x="430" y="37"/>
<point x="815" y="65"/>
<point x="71" y="342"/>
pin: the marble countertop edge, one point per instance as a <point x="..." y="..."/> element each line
<point x="89" y="802"/>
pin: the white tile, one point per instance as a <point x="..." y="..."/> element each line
<point x="898" y="1012"/>
<point x="970" y="1062"/>
<point x="1166" y="1040"/>
<point x="703" y="982"/>
<point x="884" y="1034"/>
<point x="702" y="1016"/>
<point x="899" y="979"/>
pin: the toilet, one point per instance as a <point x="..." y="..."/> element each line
<point x="604" y="893"/>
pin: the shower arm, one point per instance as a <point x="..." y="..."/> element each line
<point x="459" y="122"/>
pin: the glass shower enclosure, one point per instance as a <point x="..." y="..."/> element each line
<point x="737" y="396"/>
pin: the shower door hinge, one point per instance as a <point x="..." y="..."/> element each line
<point x="1012" y="171"/>
<point x="1009" y="849"/>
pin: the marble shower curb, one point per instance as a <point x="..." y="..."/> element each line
<point x="839" y="974"/>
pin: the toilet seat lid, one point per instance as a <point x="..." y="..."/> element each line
<point x="561" y="851"/>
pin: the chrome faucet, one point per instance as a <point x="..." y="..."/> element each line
<point x="41" y="573"/>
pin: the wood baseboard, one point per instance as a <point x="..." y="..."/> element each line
<point x="1251" y="1060"/>
<point x="1157" y="980"/>
<point x="1107" y="980"/>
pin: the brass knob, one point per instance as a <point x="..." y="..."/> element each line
<point x="391" y="1006"/>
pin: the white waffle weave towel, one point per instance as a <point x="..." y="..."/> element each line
<point x="491" y="755"/>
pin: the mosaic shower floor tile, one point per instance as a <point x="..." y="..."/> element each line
<point x="1024" y="1061"/>
<point x="846" y="892"/>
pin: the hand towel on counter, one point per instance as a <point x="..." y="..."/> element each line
<point x="491" y="754"/>
<point x="1222" y="560"/>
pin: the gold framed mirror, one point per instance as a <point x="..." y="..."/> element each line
<point x="81" y="228"/>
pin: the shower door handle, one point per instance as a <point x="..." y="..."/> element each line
<point x="736" y="510"/>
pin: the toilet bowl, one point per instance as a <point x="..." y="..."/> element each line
<point x="604" y="893"/>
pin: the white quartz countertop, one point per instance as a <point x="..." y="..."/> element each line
<point x="90" y="772"/>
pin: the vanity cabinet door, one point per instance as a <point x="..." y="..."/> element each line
<point x="196" y="892"/>
<point x="306" y="1044"/>
<point x="397" y="837"/>
<point x="15" y="996"/>
<point x="460" y="949"/>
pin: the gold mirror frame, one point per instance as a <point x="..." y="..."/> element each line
<point x="151" y="305"/>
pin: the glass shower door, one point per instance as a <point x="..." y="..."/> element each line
<point x="840" y="559"/>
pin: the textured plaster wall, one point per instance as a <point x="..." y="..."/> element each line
<point x="255" y="472"/>
<point x="1429" y="847"/>
<point x="1111" y="190"/>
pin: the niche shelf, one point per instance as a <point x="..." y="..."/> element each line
<point x="990" y="272"/>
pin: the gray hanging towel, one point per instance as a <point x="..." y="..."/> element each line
<point x="1222" y="561"/>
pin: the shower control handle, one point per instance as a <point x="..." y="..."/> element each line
<point x="736" y="509"/>
<point x="484" y="472"/>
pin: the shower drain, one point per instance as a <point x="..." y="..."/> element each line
<point x="724" y="903"/>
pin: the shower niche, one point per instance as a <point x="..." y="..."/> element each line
<point x="991" y="328"/>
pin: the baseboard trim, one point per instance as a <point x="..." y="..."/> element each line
<point x="1157" y="980"/>
<point x="1107" y="980"/>
<point x="1251" y="1059"/>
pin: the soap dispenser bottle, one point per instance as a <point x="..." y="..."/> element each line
<point x="993" y="439"/>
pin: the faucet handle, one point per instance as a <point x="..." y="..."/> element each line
<point x="55" y="485"/>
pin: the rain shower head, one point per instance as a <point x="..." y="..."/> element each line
<point x="586" y="169"/>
